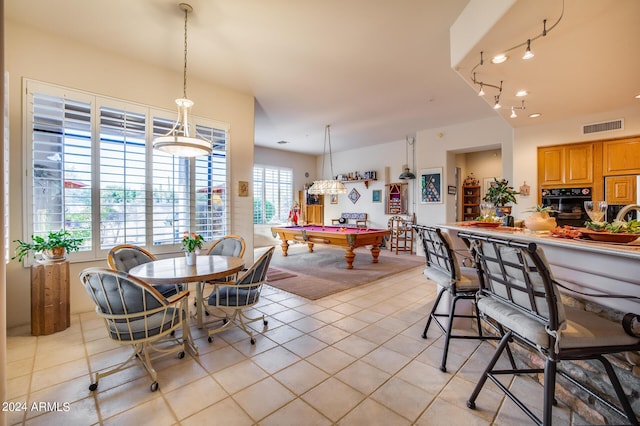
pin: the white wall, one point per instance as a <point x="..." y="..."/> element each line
<point x="438" y="148"/>
<point x="66" y="62"/>
<point x="300" y="163"/>
<point x="375" y="158"/>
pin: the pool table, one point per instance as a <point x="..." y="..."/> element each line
<point x="349" y="238"/>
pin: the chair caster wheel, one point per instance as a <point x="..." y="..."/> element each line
<point x="206" y="313"/>
<point x="93" y="386"/>
<point x="154" y="386"/>
<point x="224" y="321"/>
<point x="181" y="355"/>
<point x="443" y="368"/>
<point x="424" y="335"/>
<point x="265" y="322"/>
<point x="471" y="405"/>
<point x="253" y="341"/>
<point x="210" y="339"/>
<point x="173" y="333"/>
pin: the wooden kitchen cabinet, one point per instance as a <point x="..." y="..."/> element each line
<point x="620" y="190"/>
<point x="311" y="208"/>
<point x="570" y="165"/>
<point x="621" y="157"/>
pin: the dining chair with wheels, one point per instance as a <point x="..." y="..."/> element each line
<point x="230" y="245"/>
<point x="137" y="315"/>
<point x="234" y="297"/>
<point x="520" y="293"/>
<point x="460" y="283"/>
<point x="123" y="257"/>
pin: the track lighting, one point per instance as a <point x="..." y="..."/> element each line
<point x="502" y="57"/>
<point x="514" y="108"/>
<point x="498" y="59"/>
<point x="528" y="54"/>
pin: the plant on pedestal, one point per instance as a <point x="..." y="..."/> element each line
<point x="53" y="246"/>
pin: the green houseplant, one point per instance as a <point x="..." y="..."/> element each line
<point x="500" y="194"/>
<point x="53" y="246"/>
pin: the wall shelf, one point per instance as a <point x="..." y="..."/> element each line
<point x="471" y="198"/>
<point x="365" y="181"/>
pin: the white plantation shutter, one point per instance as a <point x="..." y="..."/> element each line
<point x="122" y="177"/>
<point x="171" y="192"/>
<point x="60" y="165"/>
<point x="273" y="194"/>
<point x="211" y="187"/>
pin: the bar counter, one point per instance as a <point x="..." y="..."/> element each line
<point x="582" y="265"/>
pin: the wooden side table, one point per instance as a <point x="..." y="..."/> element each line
<point x="50" y="297"/>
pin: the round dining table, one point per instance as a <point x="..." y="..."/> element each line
<point x="175" y="271"/>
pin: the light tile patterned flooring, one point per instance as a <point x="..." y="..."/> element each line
<point x="353" y="358"/>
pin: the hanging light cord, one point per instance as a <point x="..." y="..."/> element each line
<point x="184" y="73"/>
<point x="330" y="155"/>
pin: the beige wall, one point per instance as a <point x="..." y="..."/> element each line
<point x="66" y="62"/>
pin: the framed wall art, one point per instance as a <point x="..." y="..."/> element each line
<point x="431" y="185"/>
<point x="243" y="188"/>
<point x="376" y="195"/>
<point x="334" y="199"/>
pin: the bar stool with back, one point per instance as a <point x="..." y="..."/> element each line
<point x="461" y="283"/>
<point x="520" y="293"/>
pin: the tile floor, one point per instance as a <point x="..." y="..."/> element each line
<point x="353" y="358"/>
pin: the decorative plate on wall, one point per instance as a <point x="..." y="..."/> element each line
<point x="354" y="195"/>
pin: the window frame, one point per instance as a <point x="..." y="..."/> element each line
<point x="283" y="208"/>
<point x="96" y="102"/>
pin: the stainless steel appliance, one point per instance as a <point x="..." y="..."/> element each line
<point x="568" y="203"/>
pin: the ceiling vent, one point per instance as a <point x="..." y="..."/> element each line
<point x="605" y="126"/>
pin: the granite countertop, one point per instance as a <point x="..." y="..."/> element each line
<point x="630" y="250"/>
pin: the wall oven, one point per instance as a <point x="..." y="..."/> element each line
<point x="568" y="203"/>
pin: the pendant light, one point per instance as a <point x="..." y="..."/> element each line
<point x="330" y="186"/>
<point x="407" y="174"/>
<point x="183" y="140"/>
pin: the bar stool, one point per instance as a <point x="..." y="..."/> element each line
<point x="461" y="283"/>
<point x="520" y="293"/>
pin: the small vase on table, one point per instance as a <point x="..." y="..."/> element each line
<point x="190" y="256"/>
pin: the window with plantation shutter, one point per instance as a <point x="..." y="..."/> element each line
<point x="122" y="177"/>
<point x="211" y="187"/>
<point x="61" y="163"/>
<point x="273" y="194"/>
<point x="93" y="172"/>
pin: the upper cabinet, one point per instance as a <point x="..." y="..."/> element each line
<point x="566" y="164"/>
<point x="620" y="189"/>
<point x="621" y="157"/>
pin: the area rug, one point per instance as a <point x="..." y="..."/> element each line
<point x="325" y="272"/>
<point x="274" y="274"/>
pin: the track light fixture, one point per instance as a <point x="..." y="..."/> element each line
<point x="514" y="108"/>
<point x="528" y="54"/>
<point x="502" y="57"/>
<point x="497" y="104"/>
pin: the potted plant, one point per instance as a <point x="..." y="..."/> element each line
<point x="500" y="194"/>
<point x="190" y="243"/>
<point x="53" y="247"/>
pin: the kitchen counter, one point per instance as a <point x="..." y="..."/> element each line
<point x="582" y="265"/>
